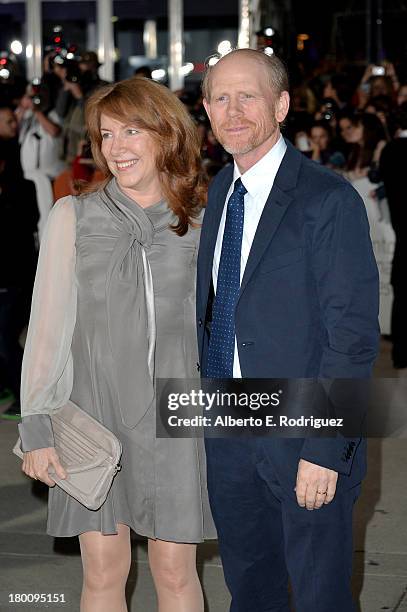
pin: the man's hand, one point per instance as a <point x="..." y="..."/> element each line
<point x="74" y="88"/>
<point x="315" y="486"/>
<point x="37" y="462"/>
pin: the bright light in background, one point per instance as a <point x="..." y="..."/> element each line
<point x="187" y="68"/>
<point x="29" y="51"/>
<point x="269" y="31"/>
<point x="70" y="55"/>
<point x="213" y="60"/>
<point x="4" y="73"/>
<point x="16" y="47"/>
<point x="243" y="39"/>
<point x="301" y="38"/>
<point x="159" y="74"/>
<point x="224" y="47"/>
<point x="268" y="50"/>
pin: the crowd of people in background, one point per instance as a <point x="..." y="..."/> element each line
<point x="355" y="127"/>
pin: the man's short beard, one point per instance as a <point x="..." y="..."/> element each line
<point x="242" y="148"/>
<point x="235" y="150"/>
<point x="239" y="148"/>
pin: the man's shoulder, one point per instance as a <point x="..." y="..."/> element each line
<point x="319" y="177"/>
<point x="321" y="189"/>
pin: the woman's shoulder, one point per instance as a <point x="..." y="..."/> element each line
<point x="61" y="222"/>
<point x="63" y="209"/>
<point x="71" y="208"/>
<point x="85" y="203"/>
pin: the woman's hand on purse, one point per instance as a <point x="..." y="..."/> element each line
<point x="37" y="462"/>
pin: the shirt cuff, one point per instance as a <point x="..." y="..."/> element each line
<point x="36" y="432"/>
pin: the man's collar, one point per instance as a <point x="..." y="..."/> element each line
<point x="261" y="173"/>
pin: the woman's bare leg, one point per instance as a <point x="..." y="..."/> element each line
<point x="106" y="564"/>
<point x="173" y="567"/>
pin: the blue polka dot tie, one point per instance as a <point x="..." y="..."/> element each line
<point x="222" y="338"/>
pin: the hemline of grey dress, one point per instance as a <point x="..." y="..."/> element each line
<point x="113" y="308"/>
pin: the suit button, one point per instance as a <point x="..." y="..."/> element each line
<point x="243" y="343"/>
<point x="200" y="322"/>
<point x="198" y="367"/>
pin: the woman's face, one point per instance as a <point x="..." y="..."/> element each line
<point x="320" y="137"/>
<point x="346" y="128"/>
<point x="379" y="87"/>
<point x="355" y="134"/>
<point x="130" y="154"/>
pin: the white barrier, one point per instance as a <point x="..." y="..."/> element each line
<point x="383" y="239"/>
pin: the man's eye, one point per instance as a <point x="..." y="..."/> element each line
<point x="132" y="131"/>
<point x="221" y="98"/>
<point x="105" y="135"/>
<point x="246" y="95"/>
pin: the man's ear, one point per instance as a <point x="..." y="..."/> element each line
<point x="282" y="106"/>
<point x="207" y="107"/>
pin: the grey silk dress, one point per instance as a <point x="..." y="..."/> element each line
<point x="113" y="309"/>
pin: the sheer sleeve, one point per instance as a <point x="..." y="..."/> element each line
<point x="47" y="372"/>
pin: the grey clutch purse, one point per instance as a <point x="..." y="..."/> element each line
<point x="87" y="450"/>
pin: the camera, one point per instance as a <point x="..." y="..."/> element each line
<point x="328" y="115"/>
<point x="39" y="95"/>
<point x="73" y="73"/>
<point x="328" y="109"/>
<point x="378" y="70"/>
<point x="7" y="67"/>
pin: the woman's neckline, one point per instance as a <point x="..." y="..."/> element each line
<point x="134" y="202"/>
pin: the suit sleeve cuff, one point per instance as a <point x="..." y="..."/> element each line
<point x="36" y="432"/>
<point x="333" y="453"/>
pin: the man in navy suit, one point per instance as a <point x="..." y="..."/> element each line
<point x="305" y="306"/>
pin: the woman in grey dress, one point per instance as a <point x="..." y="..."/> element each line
<point x="113" y="308"/>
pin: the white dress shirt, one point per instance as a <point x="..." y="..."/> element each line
<point x="258" y="181"/>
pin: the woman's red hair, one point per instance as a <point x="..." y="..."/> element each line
<point x="152" y="107"/>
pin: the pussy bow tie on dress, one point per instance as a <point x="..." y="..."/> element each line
<point x="130" y="306"/>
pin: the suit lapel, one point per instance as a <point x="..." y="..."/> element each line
<point x="210" y="229"/>
<point x="270" y="219"/>
<point x="274" y="210"/>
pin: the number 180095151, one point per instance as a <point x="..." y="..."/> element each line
<point x="23" y="598"/>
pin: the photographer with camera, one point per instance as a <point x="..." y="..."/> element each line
<point x="70" y="106"/>
<point x="377" y="80"/>
<point x="80" y="79"/>
<point x="40" y="141"/>
<point x="89" y="65"/>
<point x="40" y="132"/>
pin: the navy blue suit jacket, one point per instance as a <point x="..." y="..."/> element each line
<point x="308" y="302"/>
